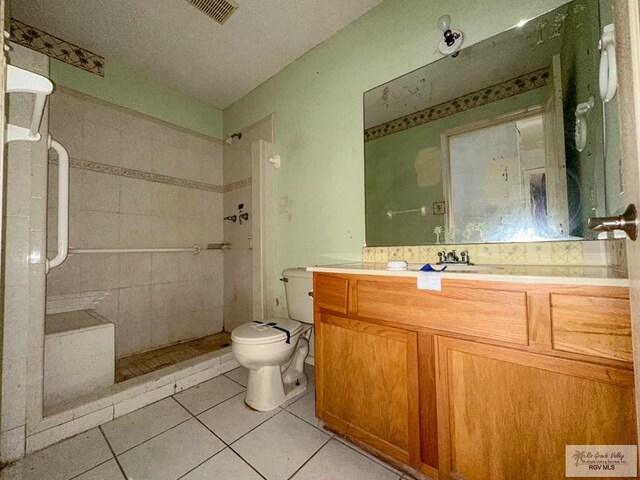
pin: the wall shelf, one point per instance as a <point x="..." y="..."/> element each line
<point x="23" y="81"/>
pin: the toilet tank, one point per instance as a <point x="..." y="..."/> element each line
<point x="298" y="284"/>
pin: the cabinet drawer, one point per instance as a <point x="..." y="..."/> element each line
<point x="486" y="313"/>
<point x="598" y="326"/>
<point x="331" y="293"/>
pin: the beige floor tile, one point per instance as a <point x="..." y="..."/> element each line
<point x="136" y="427"/>
<point x="239" y="375"/>
<point x="232" y="418"/>
<point x="107" y="471"/>
<point x="64" y="460"/>
<point x="208" y="394"/>
<point x="280" y="446"/>
<point x="172" y="453"/>
<point x="224" y="465"/>
<point x="336" y="460"/>
<point x="305" y="408"/>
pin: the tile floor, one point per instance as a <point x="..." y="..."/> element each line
<point x="204" y="433"/>
<point x="145" y="362"/>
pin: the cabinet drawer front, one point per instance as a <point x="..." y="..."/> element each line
<point x="597" y="326"/>
<point x="331" y="293"/>
<point x="492" y="314"/>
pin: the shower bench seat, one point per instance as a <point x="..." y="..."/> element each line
<point x="79" y="355"/>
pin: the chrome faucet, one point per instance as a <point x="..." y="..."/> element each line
<point x="452" y="259"/>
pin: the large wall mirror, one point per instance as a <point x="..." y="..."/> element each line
<point x="508" y="141"/>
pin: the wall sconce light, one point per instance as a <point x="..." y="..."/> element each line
<point x="452" y="41"/>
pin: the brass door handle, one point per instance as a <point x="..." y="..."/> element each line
<point x="627" y="222"/>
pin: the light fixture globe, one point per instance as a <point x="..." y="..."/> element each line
<point x="452" y="39"/>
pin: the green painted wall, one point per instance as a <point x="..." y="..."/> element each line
<point x="318" y="124"/>
<point x="391" y="181"/>
<point x="123" y="86"/>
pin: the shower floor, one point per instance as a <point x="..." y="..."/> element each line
<point x="146" y="362"/>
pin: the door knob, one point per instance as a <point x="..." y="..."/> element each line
<point x="627" y="222"/>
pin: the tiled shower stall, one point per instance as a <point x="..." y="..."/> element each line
<point x="135" y="182"/>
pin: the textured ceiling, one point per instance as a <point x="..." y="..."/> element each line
<point x="181" y="47"/>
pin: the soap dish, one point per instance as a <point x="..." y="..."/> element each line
<point x="397" y="265"/>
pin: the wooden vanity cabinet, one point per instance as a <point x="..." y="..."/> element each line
<point x="503" y="412"/>
<point x="484" y="380"/>
<point x="369" y="384"/>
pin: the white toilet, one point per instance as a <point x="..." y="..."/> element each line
<point x="274" y="350"/>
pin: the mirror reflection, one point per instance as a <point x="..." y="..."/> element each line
<point x="510" y="140"/>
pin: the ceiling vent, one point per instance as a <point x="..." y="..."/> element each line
<point x="219" y="10"/>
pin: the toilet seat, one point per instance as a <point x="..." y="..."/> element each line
<point x="263" y="332"/>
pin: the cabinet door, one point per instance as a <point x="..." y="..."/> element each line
<point x="367" y="385"/>
<point x="505" y="413"/>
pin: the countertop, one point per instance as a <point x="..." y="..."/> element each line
<point x="554" y="274"/>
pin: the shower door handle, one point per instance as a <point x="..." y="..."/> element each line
<point x="627" y="222"/>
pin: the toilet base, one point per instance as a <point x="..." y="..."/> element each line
<point x="270" y="386"/>
<point x="265" y="390"/>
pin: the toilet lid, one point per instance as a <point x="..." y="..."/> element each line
<point x="266" y="331"/>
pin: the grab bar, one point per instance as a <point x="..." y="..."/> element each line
<point x="195" y="250"/>
<point x="63" y="204"/>
<point x="392" y="213"/>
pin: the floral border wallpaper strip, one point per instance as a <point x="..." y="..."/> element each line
<point x="515" y="86"/>
<point x="55" y="47"/>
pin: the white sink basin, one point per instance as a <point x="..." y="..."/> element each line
<point x="472" y="268"/>
<point x="461" y="268"/>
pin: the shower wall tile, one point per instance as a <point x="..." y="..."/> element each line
<point x="136" y="152"/>
<point x="165" y="268"/>
<point x="101" y="143"/>
<point x="98" y="272"/>
<point x="190" y="165"/>
<point x="100" y="193"/>
<point x="134" y="303"/>
<point x="20" y="175"/>
<point x="212" y="165"/>
<point x="164" y="231"/>
<point x="190" y="203"/>
<point x="165" y="159"/>
<point x="65" y="279"/>
<point x="189" y="231"/>
<point x="136" y="196"/>
<point x="17" y="250"/>
<point x="164" y="200"/>
<point x="235" y="233"/>
<point x="154" y="299"/>
<point x="190" y="267"/>
<point x="66" y="128"/>
<point x="94" y="229"/>
<point x="136" y="231"/>
<point x="213" y="267"/>
<point x="134" y="270"/>
<point x="23" y="277"/>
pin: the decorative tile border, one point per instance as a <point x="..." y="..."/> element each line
<point x="245" y="182"/>
<point x="515" y="86"/>
<point x="139" y="174"/>
<point x="570" y="253"/>
<point x="55" y="47"/>
<point x="150" y="177"/>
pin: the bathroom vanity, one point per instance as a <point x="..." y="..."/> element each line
<point x="488" y="378"/>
